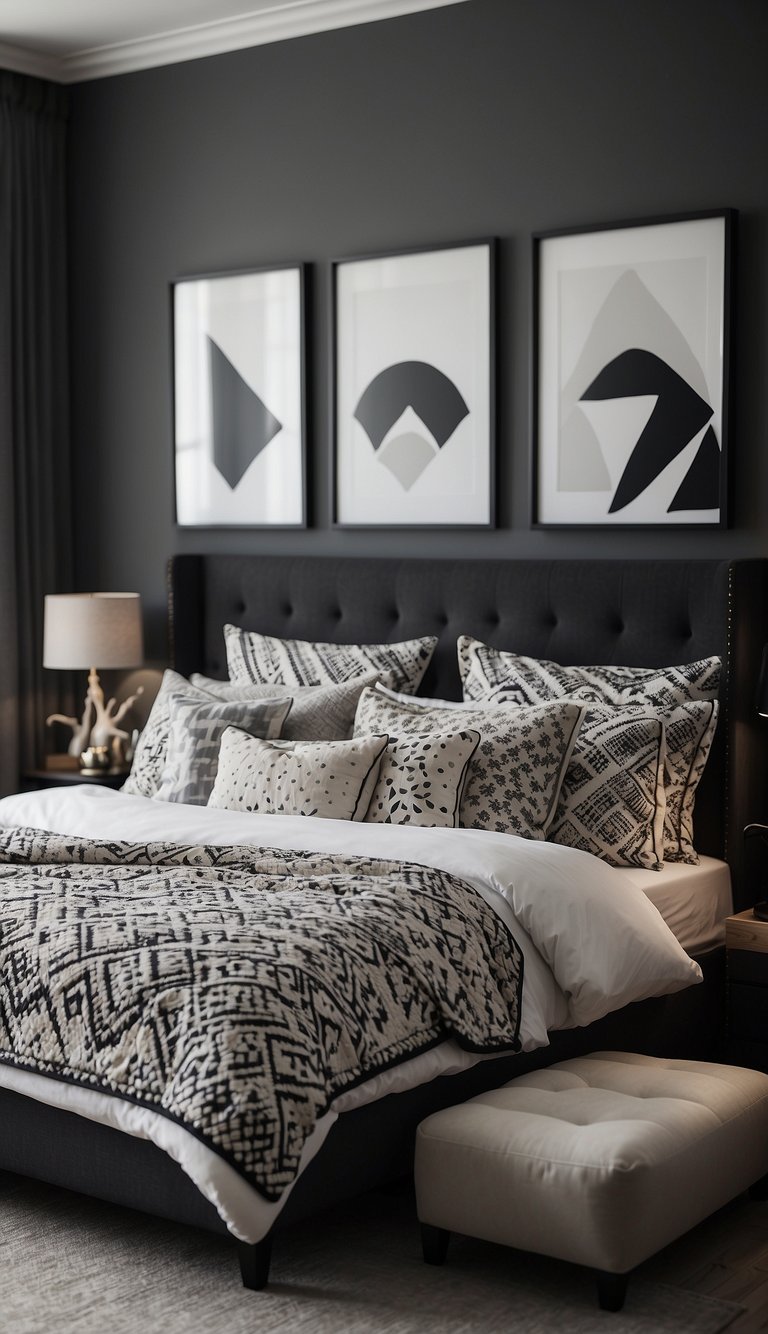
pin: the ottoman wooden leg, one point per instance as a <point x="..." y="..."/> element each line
<point x="434" y="1243"/>
<point x="611" y="1290"/>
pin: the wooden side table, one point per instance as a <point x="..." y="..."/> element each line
<point x="37" y="778"/>
<point x="746" y="944"/>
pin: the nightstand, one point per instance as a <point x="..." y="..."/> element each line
<point x="746" y="944"/>
<point x="37" y="778"/>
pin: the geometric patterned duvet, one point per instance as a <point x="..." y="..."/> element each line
<point x="239" y="990"/>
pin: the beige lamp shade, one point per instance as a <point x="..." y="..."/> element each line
<point x="86" y="630"/>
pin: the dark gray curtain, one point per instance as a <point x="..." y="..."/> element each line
<point x="35" y="511"/>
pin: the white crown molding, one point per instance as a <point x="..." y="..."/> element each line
<point x="23" y="61"/>
<point x="291" y="18"/>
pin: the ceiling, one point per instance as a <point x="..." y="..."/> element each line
<point x="70" y="40"/>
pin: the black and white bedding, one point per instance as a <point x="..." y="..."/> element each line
<point x="239" y="990"/>
<point x="588" y="942"/>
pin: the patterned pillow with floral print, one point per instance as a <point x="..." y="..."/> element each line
<point x="516" y="773"/>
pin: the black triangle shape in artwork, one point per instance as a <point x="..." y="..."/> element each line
<point x="680" y="413"/>
<point x="242" y="424"/>
<point x="700" y="488"/>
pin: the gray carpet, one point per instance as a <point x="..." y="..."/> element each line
<point x="70" y="1265"/>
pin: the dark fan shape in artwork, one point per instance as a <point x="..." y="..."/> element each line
<point x="436" y="402"/>
<point x="679" y="414"/>
<point x="242" y="425"/>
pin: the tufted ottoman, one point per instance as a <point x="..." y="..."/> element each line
<point x="600" y="1160"/>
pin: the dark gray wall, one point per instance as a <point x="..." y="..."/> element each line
<point x="492" y="117"/>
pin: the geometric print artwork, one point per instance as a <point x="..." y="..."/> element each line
<point x="491" y="674"/>
<point x="318" y="713"/>
<point x="195" y="735"/>
<point x="436" y="403"/>
<point x="238" y="353"/>
<point x="267" y="660"/>
<point x="632" y="362"/>
<point x="230" y="989"/>
<point x="421" y="780"/>
<point x="413" y="403"/>
<point x="332" y="780"/>
<point x="515" y="774"/>
<point x="612" y="800"/>
<point x="241" y="424"/>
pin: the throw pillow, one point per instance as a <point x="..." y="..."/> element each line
<point x="517" y="770"/>
<point x="152" y="746"/>
<point x="612" y="800"/>
<point x="421" y="780"/>
<point x="194" y="737"/>
<point x="330" y="779"/>
<point x="318" y="713"/>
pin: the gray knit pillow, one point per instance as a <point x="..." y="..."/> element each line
<point x="152" y="748"/>
<point x="318" y="713"/>
<point x="194" y="737"/>
<point x="330" y="779"/>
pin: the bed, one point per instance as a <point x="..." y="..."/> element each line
<point x="638" y="613"/>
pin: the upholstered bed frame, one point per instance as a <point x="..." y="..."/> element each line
<point x="632" y="612"/>
<point x="643" y="613"/>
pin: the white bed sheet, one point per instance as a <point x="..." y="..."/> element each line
<point x="591" y="942"/>
<point x="693" y="900"/>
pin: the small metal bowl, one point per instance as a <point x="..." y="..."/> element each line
<point x="96" y="757"/>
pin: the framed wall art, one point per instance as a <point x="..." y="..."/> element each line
<point x="630" y="379"/>
<point x="413" y="388"/>
<point x="239" y="399"/>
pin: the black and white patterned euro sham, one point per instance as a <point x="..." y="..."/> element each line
<point x="487" y="672"/>
<point x="249" y="1065"/>
<point x="612" y="801"/>
<point x="421" y="780"/>
<point x="266" y="660"/>
<point x="516" y="773"/>
<point x="690" y="731"/>
<point x="684" y="698"/>
<point x="318" y="713"/>
<point x="333" y="780"/>
<point x="194" y="736"/>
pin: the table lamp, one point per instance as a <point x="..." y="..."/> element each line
<point x="92" y="632"/>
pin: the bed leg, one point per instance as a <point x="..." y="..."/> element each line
<point x="254" y="1260"/>
<point x="611" y="1290"/>
<point x="434" y="1243"/>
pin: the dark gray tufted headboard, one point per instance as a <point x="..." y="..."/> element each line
<point x="644" y="613"/>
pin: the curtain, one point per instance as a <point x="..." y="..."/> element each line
<point x="35" y="489"/>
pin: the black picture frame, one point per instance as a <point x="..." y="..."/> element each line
<point x="294" y="350"/>
<point x="387" y="346"/>
<point x="697" y="249"/>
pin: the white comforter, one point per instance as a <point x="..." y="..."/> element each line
<point x="591" y="943"/>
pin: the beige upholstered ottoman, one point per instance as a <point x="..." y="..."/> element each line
<point x="601" y="1160"/>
